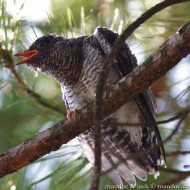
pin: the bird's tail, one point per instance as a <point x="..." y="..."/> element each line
<point x="122" y="159"/>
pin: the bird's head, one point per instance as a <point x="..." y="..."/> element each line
<point x="56" y="56"/>
<point x="47" y="54"/>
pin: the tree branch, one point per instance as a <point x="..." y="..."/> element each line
<point x="175" y="48"/>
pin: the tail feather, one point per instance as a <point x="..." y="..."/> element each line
<point x="121" y="167"/>
<point x="137" y="169"/>
<point x="117" y="149"/>
<point x="112" y="173"/>
<point x="126" y="174"/>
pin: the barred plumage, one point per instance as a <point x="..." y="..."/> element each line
<point x="76" y="64"/>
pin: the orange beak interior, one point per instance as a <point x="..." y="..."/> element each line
<point x="28" y="55"/>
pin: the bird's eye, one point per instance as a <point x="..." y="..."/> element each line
<point x="41" y="44"/>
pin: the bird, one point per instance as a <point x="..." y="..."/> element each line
<point x="128" y="152"/>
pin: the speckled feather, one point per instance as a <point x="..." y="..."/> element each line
<point x="76" y="64"/>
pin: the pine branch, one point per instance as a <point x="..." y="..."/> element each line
<point x="175" y="48"/>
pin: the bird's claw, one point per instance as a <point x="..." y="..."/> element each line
<point x="71" y="115"/>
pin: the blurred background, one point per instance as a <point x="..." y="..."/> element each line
<point x="21" y="116"/>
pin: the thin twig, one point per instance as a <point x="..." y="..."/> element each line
<point x="177" y="153"/>
<point x="179" y="115"/>
<point x="97" y="156"/>
<point x="174" y="171"/>
<point x="178" y="125"/>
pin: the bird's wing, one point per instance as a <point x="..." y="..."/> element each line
<point x="149" y="134"/>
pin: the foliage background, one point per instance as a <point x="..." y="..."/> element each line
<point x="21" y="116"/>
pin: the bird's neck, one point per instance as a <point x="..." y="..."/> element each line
<point x="69" y="69"/>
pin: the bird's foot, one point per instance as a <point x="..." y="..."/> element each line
<point x="71" y="115"/>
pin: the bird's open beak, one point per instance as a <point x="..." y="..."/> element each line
<point x="28" y="55"/>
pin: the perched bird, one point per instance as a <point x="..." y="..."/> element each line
<point x="76" y="64"/>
